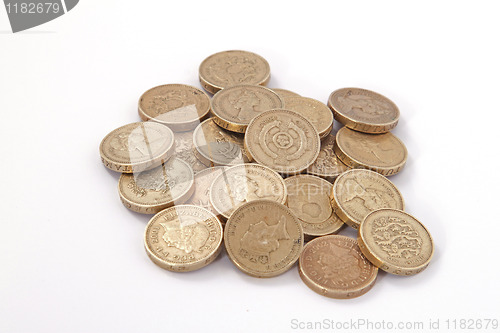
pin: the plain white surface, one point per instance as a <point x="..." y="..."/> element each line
<point x="72" y="257"/>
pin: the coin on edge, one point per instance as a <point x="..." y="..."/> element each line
<point x="309" y="200"/>
<point x="137" y="147"/>
<point x="228" y="68"/>
<point x="202" y="182"/>
<point x="184" y="149"/>
<point x="283" y="93"/>
<point x="263" y="238"/>
<point x="383" y="153"/>
<point x="356" y="193"/>
<point x="179" y="106"/>
<point x="327" y="165"/>
<point x="183" y="238"/>
<point x="283" y="140"/>
<point x="151" y="191"/>
<point x="334" y="266"/>
<point x="363" y="110"/>
<point x="396" y="242"/>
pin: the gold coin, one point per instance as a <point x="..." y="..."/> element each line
<point x="183" y="238"/>
<point x="356" y="193"/>
<point x="184" y="149"/>
<point x="283" y="140"/>
<point x="233" y="108"/>
<point x="202" y="182"/>
<point x="327" y="165"/>
<point x="151" y="191"/>
<point x="396" y="242"/>
<point x="244" y="183"/>
<point x="283" y="93"/>
<point x="309" y="200"/>
<point x="316" y="112"/>
<point x="263" y="238"/>
<point x="178" y="106"/>
<point x="383" y="153"/>
<point x="137" y="147"/>
<point x="363" y="110"/>
<point x="225" y="69"/>
<point x="333" y="266"/>
<point x="216" y="146"/>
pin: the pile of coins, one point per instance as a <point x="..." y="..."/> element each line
<point x="261" y="171"/>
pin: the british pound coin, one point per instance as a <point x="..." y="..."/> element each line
<point x="333" y="266"/>
<point x="151" y="191"/>
<point x="184" y="149"/>
<point x="363" y="110"/>
<point x="244" y="183"/>
<point x="283" y="93"/>
<point x="225" y="69"/>
<point x="183" y="238"/>
<point x="356" y="193"/>
<point x="396" y="242"/>
<point x="202" y="182"/>
<point x="263" y="238"/>
<point x="233" y="108"/>
<point x="283" y="140"/>
<point x="327" y="165"/>
<point x="383" y="153"/>
<point x="136" y="147"/>
<point x="178" y="106"/>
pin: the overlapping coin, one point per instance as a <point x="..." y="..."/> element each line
<point x="327" y="165"/>
<point x="185" y="150"/>
<point x="316" y="112"/>
<point x="202" y="182"/>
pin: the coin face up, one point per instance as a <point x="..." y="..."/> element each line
<point x="151" y="191"/>
<point x="184" y="149"/>
<point x="356" y="193"/>
<point x="363" y="110"/>
<point x="327" y="165"/>
<point x="178" y="106"/>
<point x="216" y="146"/>
<point x="183" y="238"/>
<point x="316" y="112"/>
<point x="233" y="108"/>
<point x="283" y="140"/>
<point x="333" y="266"/>
<point x="309" y="200"/>
<point x="396" y="242"/>
<point x="137" y="147"/>
<point x="244" y="183"/>
<point x="225" y="69"/>
<point x="283" y="93"/>
<point x="202" y="182"/>
<point x="383" y="153"/>
<point x="263" y="238"/>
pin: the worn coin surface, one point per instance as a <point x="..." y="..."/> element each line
<point x="396" y="242"/>
<point x="383" y="153"/>
<point x="283" y="140"/>
<point x="136" y="147"/>
<point x="228" y="68"/>
<point x="202" y="182"/>
<point x="309" y="200"/>
<point x="216" y="146"/>
<point x="263" y="238"/>
<point x="233" y="108"/>
<point x="327" y="165"/>
<point x="356" y="193"/>
<point x="185" y="150"/>
<point x="283" y="93"/>
<point x="178" y="106"/>
<point x="363" y="110"/>
<point x="333" y="266"/>
<point x="244" y="183"/>
<point x="316" y="112"/>
<point x="183" y="238"/>
<point x="150" y="191"/>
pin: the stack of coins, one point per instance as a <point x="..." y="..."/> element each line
<point x="262" y="171"/>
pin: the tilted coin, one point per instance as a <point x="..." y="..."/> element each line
<point x="216" y="146"/>
<point x="396" y="242"/>
<point x="363" y="110"/>
<point x="283" y="140"/>
<point x="178" y="106"/>
<point x="136" y="147"/>
<point x="233" y="108"/>
<point x="225" y="69"/>
<point x="184" y="149"/>
<point x="283" y="93"/>
<point x="244" y="183"/>
<point x="356" y="193"/>
<point x="151" y="191"/>
<point x="333" y="266"/>
<point x="383" y="153"/>
<point x="309" y="200"/>
<point x="263" y="238"/>
<point x="327" y="165"/>
<point x="202" y="182"/>
<point x="183" y="238"/>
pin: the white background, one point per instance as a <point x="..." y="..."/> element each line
<point x="72" y="257"/>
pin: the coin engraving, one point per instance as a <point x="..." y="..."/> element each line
<point x="327" y="165"/>
<point x="184" y="149"/>
<point x="316" y="112"/>
<point x="188" y="237"/>
<point x="202" y="182"/>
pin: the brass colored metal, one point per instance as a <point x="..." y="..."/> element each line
<point x="396" y="242"/>
<point x="263" y="238"/>
<point x="327" y="165"/>
<point x="185" y="150"/>
<point x="283" y="93"/>
<point x="202" y="182"/>
<point x="333" y="266"/>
